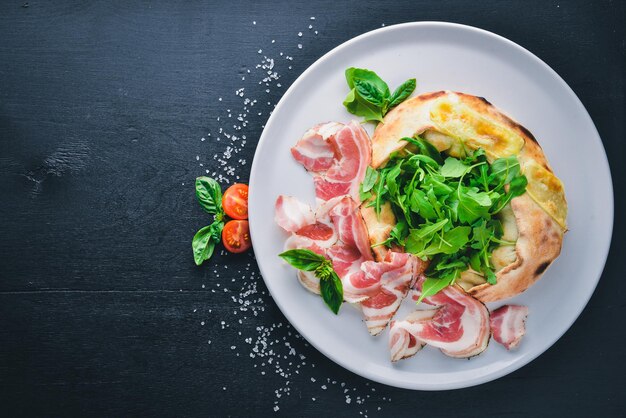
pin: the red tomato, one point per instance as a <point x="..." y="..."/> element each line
<point x="236" y="236"/>
<point x="235" y="201"/>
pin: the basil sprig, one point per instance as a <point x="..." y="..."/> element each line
<point x="446" y="209"/>
<point x="209" y="195"/>
<point x="330" y="284"/>
<point x="370" y="96"/>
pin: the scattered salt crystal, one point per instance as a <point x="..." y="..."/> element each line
<point x="299" y="46"/>
<point x="300" y="34"/>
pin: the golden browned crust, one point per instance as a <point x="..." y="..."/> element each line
<point x="540" y="234"/>
<point x="378" y="227"/>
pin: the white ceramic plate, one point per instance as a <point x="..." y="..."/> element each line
<point x="460" y="58"/>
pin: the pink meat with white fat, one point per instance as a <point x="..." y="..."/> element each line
<point x="337" y="155"/>
<point x="395" y="274"/>
<point x="459" y="326"/>
<point x="508" y="325"/>
<point x="351" y="250"/>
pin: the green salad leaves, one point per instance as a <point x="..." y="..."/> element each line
<point x="370" y="96"/>
<point x="209" y="195"/>
<point x="330" y="284"/>
<point x="445" y="208"/>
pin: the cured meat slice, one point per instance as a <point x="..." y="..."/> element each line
<point x="347" y="261"/>
<point x="338" y="155"/>
<point x="297" y="217"/>
<point x="508" y="325"/>
<point x="351" y="250"/>
<point x="353" y="152"/>
<point x="350" y="227"/>
<point x="291" y="214"/>
<point x="395" y="274"/>
<point x="459" y="326"/>
<point x="313" y="150"/>
<point x="402" y="340"/>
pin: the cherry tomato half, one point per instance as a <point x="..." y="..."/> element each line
<point x="235" y="201"/>
<point x="236" y="236"/>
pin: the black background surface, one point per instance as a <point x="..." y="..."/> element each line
<point x="102" y="111"/>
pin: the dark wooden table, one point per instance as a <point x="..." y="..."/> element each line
<point x="103" y="108"/>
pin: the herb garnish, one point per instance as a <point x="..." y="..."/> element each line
<point x="209" y="195"/>
<point x="330" y="284"/>
<point x="370" y="96"/>
<point x="445" y="209"/>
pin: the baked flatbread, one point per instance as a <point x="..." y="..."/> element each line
<point x="536" y="221"/>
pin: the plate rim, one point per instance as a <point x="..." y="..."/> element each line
<point x="523" y="360"/>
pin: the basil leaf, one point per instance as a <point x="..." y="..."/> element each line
<point x="331" y="290"/>
<point x="203" y="242"/>
<point x="303" y="259"/>
<point x="362" y="74"/>
<point x="402" y="92"/>
<point x="369" y="92"/>
<point x="453" y="168"/>
<point x="209" y="195"/>
<point x="358" y="106"/>
<point x="369" y="181"/>
<point x="431" y="287"/>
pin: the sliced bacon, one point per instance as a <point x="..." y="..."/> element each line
<point x="338" y="155"/>
<point x="313" y="150"/>
<point x="396" y="274"/>
<point x="459" y="326"/>
<point x="351" y="250"/>
<point x="291" y="214"/>
<point x="402" y="335"/>
<point x="350" y="226"/>
<point x="508" y="325"/>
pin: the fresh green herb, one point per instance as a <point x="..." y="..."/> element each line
<point x="369" y="95"/>
<point x="204" y="241"/>
<point x="446" y="208"/>
<point x="331" y="288"/>
<point x="209" y="195"/>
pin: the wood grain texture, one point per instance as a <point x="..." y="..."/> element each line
<point x="102" y="107"/>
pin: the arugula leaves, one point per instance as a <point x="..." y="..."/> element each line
<point x="446" y="208"/>
<point x="369" y="95"/>
<point x="209" y="195"/>
<point x="331" y="288"/>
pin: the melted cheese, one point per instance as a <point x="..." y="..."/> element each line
<point x="475" y="131"/>
<point x="547" y="190"/>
